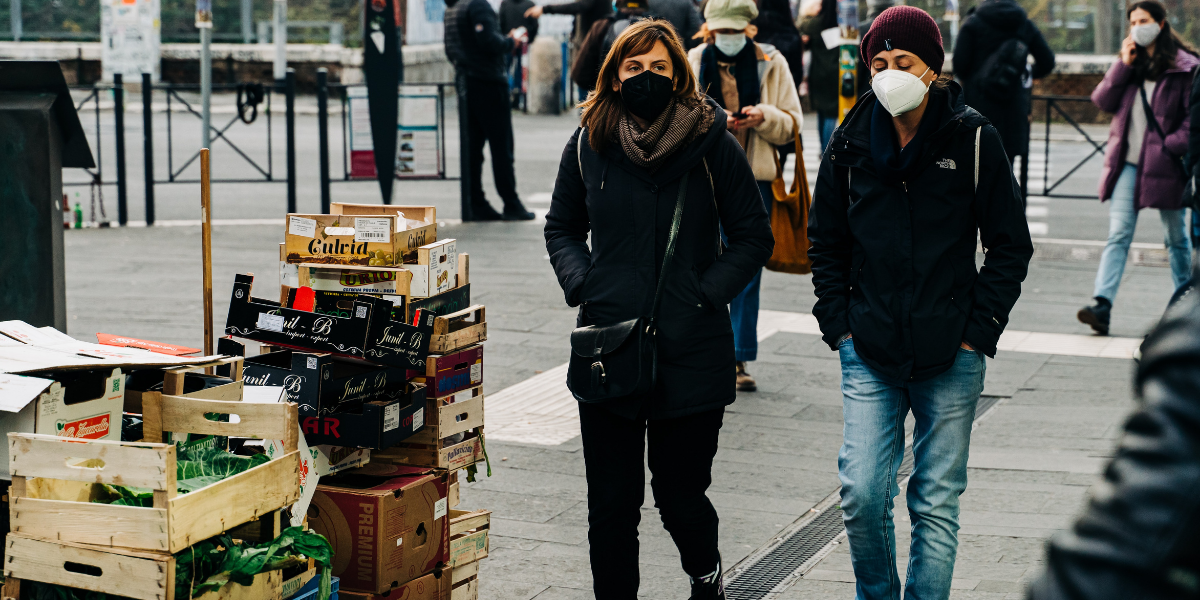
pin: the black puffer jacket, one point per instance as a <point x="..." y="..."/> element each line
<point x="473" y="40"/>
<point x="992" y="24"/>
<point x="895" y="264"/>
<point x="1194" y="132"/>
<point x="1139" y="537"/>
<point x="628" y="211"/>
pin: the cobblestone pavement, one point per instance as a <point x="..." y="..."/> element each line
<point x="1033" y="457"/>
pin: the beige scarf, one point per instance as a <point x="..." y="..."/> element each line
<point x="677" y="126"/>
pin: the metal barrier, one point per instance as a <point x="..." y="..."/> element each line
<point x="1055" y="104"/>
<point x="97" y="182"/>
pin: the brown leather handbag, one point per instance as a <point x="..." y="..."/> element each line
<point x="789" y="216"/>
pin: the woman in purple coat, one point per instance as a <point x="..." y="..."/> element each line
<point x="1141" y="162"/>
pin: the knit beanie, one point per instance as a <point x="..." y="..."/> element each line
<point x="905" y="28"/>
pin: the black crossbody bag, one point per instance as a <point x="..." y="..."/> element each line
<point x="619" y="360"/>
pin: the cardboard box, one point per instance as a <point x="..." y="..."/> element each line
<point x="340" y="304"/>
<point x="450" y="373"/>
<point x="26" y="349"/>
<point x="368" y="333"/>
<point x="376" y="425"/>
<point x="319" y="383"/>
<point x="424" y="450"/>
<point x="469" y="536"/>
<point x="77" y="404"/>
<point x="388" y="281"/>
<point x="444" y="303"/>
<point x="414" y="234"/>
<point x="344" y="240"/>
<point x="385" y="530"/>
<point x="426" y="587"/>
<point x="436" y="269"/>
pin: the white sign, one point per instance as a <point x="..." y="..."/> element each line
<point x="424" y="21"/>
<point x="130" y="38"/>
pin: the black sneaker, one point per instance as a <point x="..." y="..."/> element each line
<point x="709" y="587"/>
<point x="1097" y="315"/>
<point x="482" y="211"/>
<point x="515" y="211"/>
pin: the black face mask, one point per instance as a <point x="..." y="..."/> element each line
<point x="647" y="94"/>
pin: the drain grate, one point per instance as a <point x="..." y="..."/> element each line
<point x="775" y="566"/>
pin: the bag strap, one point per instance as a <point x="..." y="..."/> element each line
<point x="978" y="135"/>
<point x="1150" y="112"/>
<point x="669" y="256"/>
<point x="579" y="149"/>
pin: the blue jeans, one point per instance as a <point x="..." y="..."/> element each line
<point x="1122" y="220"/>
<point x="826" y="123"/>
<point x="874" y="409"/>
<point x="743" y="311"/>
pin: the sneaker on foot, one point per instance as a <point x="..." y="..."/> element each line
<point x="745" y="383"/>
<point x="1097" y="315"/>
<point x="709" y="587"/>
<point x="516" y="212"/>
<point x="482" y="211"/>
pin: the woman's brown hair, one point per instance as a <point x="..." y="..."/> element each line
<point x="603" y="108"/>
<point x="1166" y="46"/>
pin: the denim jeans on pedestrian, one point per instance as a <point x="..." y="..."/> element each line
<point x="874" y="409"/>
<point x="1122" y="220"/>
<point x="826" y="123"/>
<point x="743" y="311"/>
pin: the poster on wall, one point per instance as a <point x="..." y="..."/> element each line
<point x="424" y="21"/>
<point x="362" y="150"/>
<point x="418" y="154"/>
<point x="130" y="37"/>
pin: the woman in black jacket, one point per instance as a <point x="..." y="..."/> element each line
<point x="645" y="130"/>
<point x="909" y="181"/>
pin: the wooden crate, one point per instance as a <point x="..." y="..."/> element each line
<point x="173" y="385"/>
<point x="423" y="450"/>
<point x="459" y="330"/>
<point x="457" y="413"/>
<point x="469" y="536"/>
<point x="176" y="521"/>
<point x="127" y="573"/>
<point x="464" y="582"/>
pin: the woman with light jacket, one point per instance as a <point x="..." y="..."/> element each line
<point x="752" y="82"/>
<point x="652" y="147"/>
<point x="1142" y="161"/>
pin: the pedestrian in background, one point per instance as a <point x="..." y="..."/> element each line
<point x="1193" y="167"/>
<point x="777" y="28"/>
<point x="1139" y="534"/>
<point x="991" y="60"/>
<point x="754" y="86"/>
<point x="823" y="81"/>
<point x="512" y="18"/>
<point x="683" y="16"/>
<point x="1147" y="91"/>
<point x="652" y="158"/>
<point x="480" y="53"/>
<point x="910" y="180"/>
<point x="587" y="14"/>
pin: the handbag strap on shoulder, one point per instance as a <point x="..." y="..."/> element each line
<point x="669" y="255"/>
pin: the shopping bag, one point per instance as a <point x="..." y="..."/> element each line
<point x="789" y="216"/>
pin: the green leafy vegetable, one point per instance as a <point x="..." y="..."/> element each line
<point x="202" y="467"/>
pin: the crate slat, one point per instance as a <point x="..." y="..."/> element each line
<point x="125" y="463"/>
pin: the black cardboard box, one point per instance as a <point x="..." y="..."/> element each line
<point x="377" y="425"/>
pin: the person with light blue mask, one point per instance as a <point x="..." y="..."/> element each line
<point x="754" y="85"/>
<point x="909" y="183"/>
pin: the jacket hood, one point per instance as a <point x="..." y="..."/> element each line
<point x="684" y="159"/>
<point x="1184" y="62"/>
<point x="1001" y="14"/>
<point x="857" y="126"/>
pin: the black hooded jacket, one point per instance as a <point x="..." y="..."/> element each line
<point x="473" y="40"/>
<point x="628" y="212"/>
<point x="1139" y="534"/>
<point x="990" y="25"/>
<point x="894" y="264"/>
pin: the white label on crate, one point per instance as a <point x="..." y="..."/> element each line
<point x="419" y="418"/>
<point x="400" y="540"/>
<point x="476" y="372"/>
<point x="302" y="227"/>
<point x="312" y="362"/>
<point x="372" y="230"/>
<point x="339" y="231"/>
<point x="360" y="312"/>
<point x="391" y="417"/>
<point x="268" y="322"/>
<point x="439" y="508"/>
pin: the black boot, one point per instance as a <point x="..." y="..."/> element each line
<point x="515" y="211"/>
<point x="482" y="211"/>
<point x="1097" y="315"/>
<point x="709" y="587"/>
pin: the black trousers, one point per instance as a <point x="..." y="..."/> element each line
<point x="681" y="454"/>
<point x="490" y="120"/>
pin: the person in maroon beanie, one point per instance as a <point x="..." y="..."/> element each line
<point x="908" y="181"/>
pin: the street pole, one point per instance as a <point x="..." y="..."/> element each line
<point x="247" y="21"/>
<point x="119" y="126"/>
<point x="148" y="146"/>
<point x="204" y="24"/>
<point x="279" y="36"/>
<point x="847" y="57"/>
